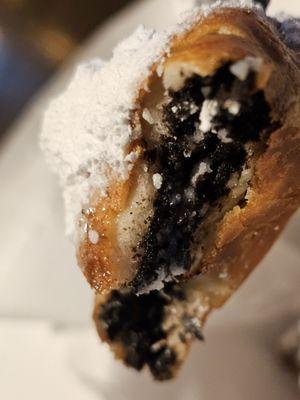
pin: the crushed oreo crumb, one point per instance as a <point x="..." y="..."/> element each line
<point x="194" y="170"/>
<point x="165" y="250"/>
<point x="137" y="323"/>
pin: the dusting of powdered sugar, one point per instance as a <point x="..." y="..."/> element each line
<point x="87" y="129"/>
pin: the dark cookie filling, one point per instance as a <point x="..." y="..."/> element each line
<point x="136" y="322"/>
<point x="186" y="196"/>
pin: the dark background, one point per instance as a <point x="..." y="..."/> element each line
<point x="36" y="36"/>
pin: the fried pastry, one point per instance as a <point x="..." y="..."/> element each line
<point x="192" y="173"/>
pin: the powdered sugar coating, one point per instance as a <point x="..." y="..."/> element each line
<point x="87" y="129"/>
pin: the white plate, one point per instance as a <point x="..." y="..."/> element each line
<point x="48" y="348"/>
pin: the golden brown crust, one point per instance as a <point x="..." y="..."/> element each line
<point x="245" y="235"/>
<point x="103" y="263"/>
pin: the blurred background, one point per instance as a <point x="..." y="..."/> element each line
<point x="36" y="37"/>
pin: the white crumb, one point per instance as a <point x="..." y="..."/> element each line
<point x="201" y="310"/>
<point x="232" y="106"/>
<point x="147" y="116"/>
<point x="158" y="284"/>
<point x="93" y="236"/>
<point x="223" y="136"/>
<point x="203" y="168"/>
<point x="157" y="181"/>
<point x="131" y="158"/>
<point x="242" y="68"/>
<point x="187" y="153"/>
<point x="189" y="193"/>
<point x="176" y="271"/>
<point x="209" y="110"/>
<point x="193" y="108"/>
<point x="223" y="275"/>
